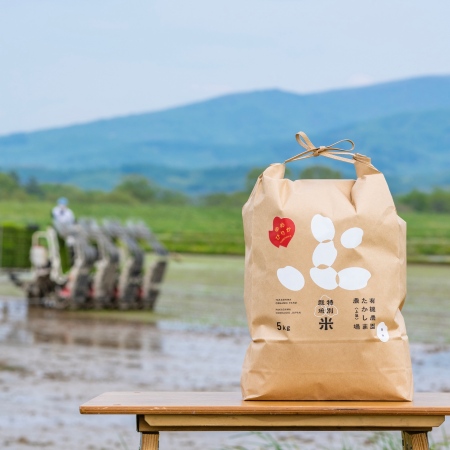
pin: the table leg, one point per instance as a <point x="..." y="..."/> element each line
<point x="415" y="440"/>
<point x="150" y="441"/>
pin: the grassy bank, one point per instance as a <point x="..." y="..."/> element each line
<point x="185" y="229"/>
<point x="428" y="237"/>
<point x="218" y="230"/>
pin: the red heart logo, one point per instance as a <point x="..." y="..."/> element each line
<point x="283" y="231"/>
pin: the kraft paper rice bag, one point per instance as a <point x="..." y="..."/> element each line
<point x="325" y="281"/>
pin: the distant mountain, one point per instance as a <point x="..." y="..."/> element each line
<point x="412" y="149"/>
<point x="403" y="125"/>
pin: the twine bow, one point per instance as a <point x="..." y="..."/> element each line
<point x="330" y="151"/>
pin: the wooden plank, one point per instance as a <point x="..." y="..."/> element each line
<point x="231" y="403"/>
<point x="263" y="421"/>
<point x="149" y="441"/>
<point x="143" y="426"/>
<point x="415" y="440"/>
<point x="269" y="428"/>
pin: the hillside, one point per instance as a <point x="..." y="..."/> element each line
<point x="404" y="122"/>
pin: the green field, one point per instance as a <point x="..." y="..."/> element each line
<point x="184" y="229"/>
<point x="428" y="237"/>
<point x="218" y="230"/>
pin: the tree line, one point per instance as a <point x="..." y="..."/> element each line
<point x="137" y="189"/>
<point x="132" y="189"/>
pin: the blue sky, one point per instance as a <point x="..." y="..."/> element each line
<point x="66" y="62"/>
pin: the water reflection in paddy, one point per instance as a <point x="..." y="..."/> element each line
<point x="52" y="361"/>
<point x="22" y="325"/>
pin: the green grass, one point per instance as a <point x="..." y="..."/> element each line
<point x="428" y="237"/>
<point x="185" y="229"/>
<point x="218" y="230"/>
<point x="425" y="225"/>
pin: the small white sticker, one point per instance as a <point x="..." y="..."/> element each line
<point x="382" y="332"/>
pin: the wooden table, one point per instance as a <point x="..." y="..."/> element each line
<point x="224" y="411"/>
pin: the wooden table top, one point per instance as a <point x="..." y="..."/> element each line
<point x="139" y="403"/>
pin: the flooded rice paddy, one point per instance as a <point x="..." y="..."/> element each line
<point x="52" y="361"/>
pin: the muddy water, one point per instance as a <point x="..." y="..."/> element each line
<point x="51" y="362"/>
